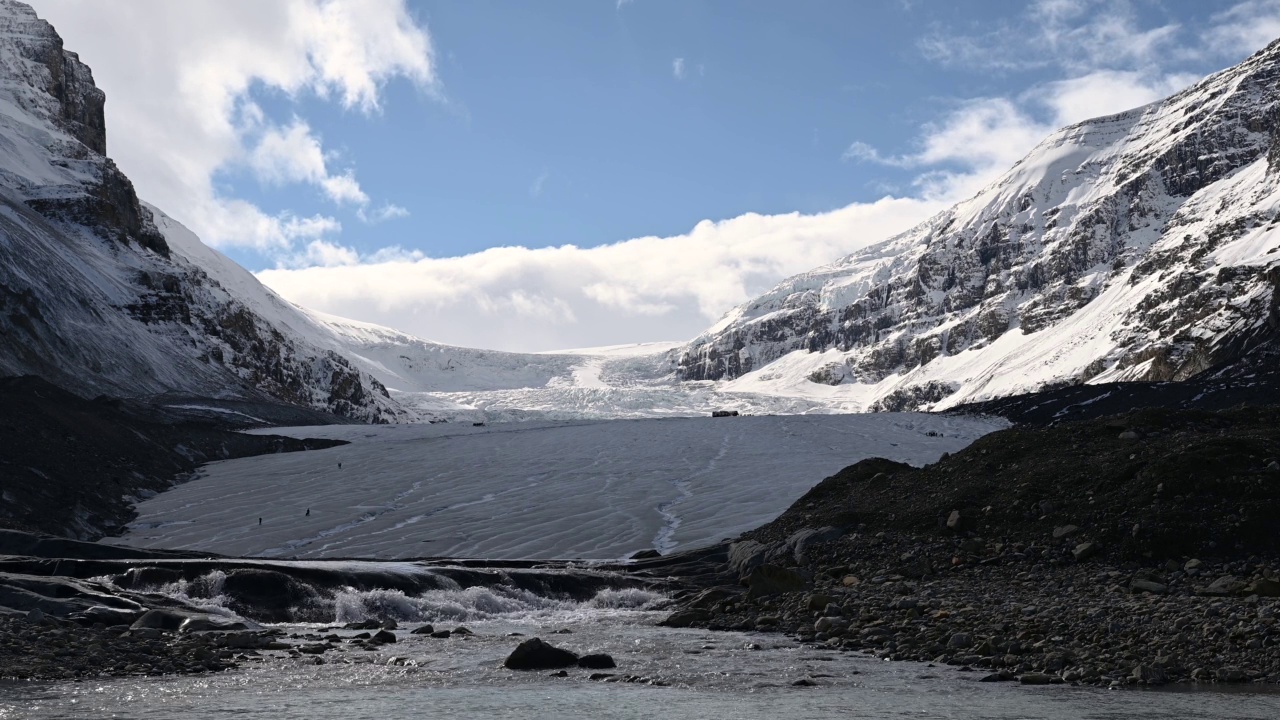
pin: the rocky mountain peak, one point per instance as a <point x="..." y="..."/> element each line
<point x="1128" y="247"/>
<point x="37" y="61"/>
<point x="57" y="110"/>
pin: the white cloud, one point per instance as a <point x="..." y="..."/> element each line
<point x="535" y="188"/>
<point x="184" y="82"/>
<point x="677" y="68"/>
<point x="293" y="154"/>
<point x="1245" y="27"/>
<point x="383" y="213"/>
<point x="650" y="288"/>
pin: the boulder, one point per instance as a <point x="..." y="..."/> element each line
<point x="745" y="556"/>
<point x="818" y="601"/>
<point x="1263" y="587"/>
<point x="159" y="620"/>
<point x="644" y="555"/>
<point x="1138" y="585"/>
<point x="1225" y="585"/>
<point x="422" y="630"/>
<point x="771" y="580"/>
<point x="1150" y="675"/>
<point x="1085" y="550"/>
<point x="685" y="618"/>
<point x="1035" y="678"/>
<point x="266" y="595"/>
<point x="534" y="654"/>
<point x="597" y="661"/>
<point x="801" y="540"/>
<point x="1063" y="531"/>
<point x="384" y="636"/>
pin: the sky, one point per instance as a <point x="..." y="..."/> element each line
<point x="532" y="176"/>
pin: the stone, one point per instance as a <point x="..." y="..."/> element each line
<point x="746" y="555"/>
<point x="1129" y="435"/>
<point x="827" y="624"/>
<point x="1085" y="550"/>
<point x="1231" y="675"/>
<point x="851" y="581"/>
<point x="389" y="624"/>
<point x="1150" y="675"/>
<point x="441" y="634"/>
<point x="384" y="636"/>
<point x="956" y="521"/>
<point x="363" y="625"/>
<point x="767" y="580"/>
<point x="1035" y="678"/>
<point x="597" y="661"/>
<point x="801" y="540"/>
<point x="462" y="630"/>
<point x="1138" y="585"/>
<point x="1225" y="585"/>
<point x="1192" y="564"/>
<point x="534" y="654"/>
<point x="35" y="616"/>
<point x="960" y="640"/>
<point x="426" y="629"/>
<point x="685" y="618"/>
<point x="159" y="620"/>
<point x="818" y="601"/>
<point x="1063" y="531"/>
<point x="805" y="682"/>
<point x="649" y="554"/>
<point x="211" y="624"/>
<point x="1263" y="587"/>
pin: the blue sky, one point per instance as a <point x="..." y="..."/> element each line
<point x="424" y="164"/>
<point x="567" y="122"/>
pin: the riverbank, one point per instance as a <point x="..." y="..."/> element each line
<point x="1139" y="548"/>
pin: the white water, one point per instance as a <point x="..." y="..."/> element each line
<point x="528" y="490"/>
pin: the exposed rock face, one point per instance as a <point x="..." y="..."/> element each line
<point x="94" y="294"/>
<point x="1131" y="247"/>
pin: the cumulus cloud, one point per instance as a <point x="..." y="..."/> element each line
<point x="647" y="288"/>
<point x="1109" y="62"/>
<point x="677" y="68"/>
<point x="186" y="78"/>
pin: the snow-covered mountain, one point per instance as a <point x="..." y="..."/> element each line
<point x="1139" y="246"/>
<point x="100" y="293"/>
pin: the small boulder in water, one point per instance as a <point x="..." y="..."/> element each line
<point x="597" y="661"/>
<point x="384" y="636"/>
<point x="534" y="654"/>
<point x="462" y="630"/>
<point x="441" y="634"/>
<point x="363" y="625"/>
<point x="644" y="555"/>
<point x="422" y="630"/>
<point x="389" y="624"/>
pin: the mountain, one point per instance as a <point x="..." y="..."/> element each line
<point x="100" y="293"/>
<point x="1138" y="246"/>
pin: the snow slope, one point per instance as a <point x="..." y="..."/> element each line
<point x="1139" y="246"/>
<point x="567" y="490"/>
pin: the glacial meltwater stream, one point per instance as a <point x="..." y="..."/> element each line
<point x="684" y="674"/>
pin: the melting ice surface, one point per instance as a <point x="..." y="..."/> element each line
<point x="587" y="489"/>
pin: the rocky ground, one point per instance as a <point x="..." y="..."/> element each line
<point x="40" y="647"/>
<point x="74" y="467"/>
<point x="1141" y="548"/>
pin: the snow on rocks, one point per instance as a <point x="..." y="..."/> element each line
<point x="1134" y="246"/>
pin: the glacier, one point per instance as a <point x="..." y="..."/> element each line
<point x="590" y="490"/>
